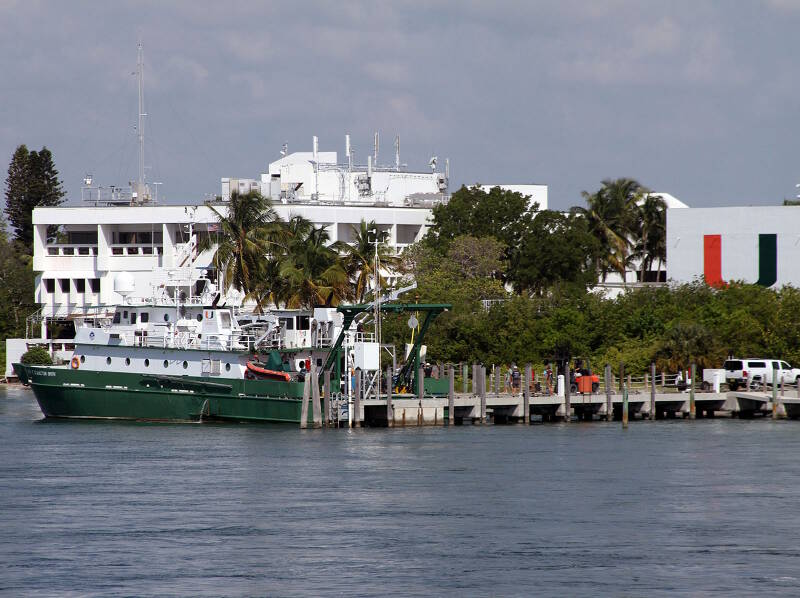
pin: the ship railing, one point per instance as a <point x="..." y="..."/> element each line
<point x="361" y="337"/>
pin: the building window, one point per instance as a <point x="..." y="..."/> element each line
<point x="94" y="285"/>
<point x="63" y="283"/>
<point x="80" y="285"/>
<point x="50" y="285"/>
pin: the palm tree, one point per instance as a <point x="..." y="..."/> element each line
<point x="651" y="240"/>
<point x="612" y="213"/>
<point x="310" y="267"/>
<point x="359" y="258"/>
<point x="244" y="238"/>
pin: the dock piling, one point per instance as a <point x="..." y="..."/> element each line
<point x="304" y="406"/>
<point x="451" y="397"/>
<point x="389" y="407"/>
<point x="326" y="381"/>
<point x="465" y="376"/>
<point x="608" y="383"/>
<point x="316" y="406"/>
<point x="625" y="405"/>
<point x="420" y="393"/>
<point x="692" y="374"/>
<point x="475" y="386"/>
<point x="482" y="384"/>
<point x="774" y="393"/>
<point x="567" y="390"/>
<point x="526" y="394"/>
<point x="357" y="400"/>
<point x="653" y="413"/>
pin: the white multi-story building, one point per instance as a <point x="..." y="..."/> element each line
<point x="157" y="244"/>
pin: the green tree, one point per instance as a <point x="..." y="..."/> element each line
<point x="612" y="213"/>
<point x="32" y="182"/>
<point x="650" y="239"/>
<point x="359" y="258"/>
<point x="558" y="250"/>
<point x="472" y="211"/>
<point x="310" y="267"/>
<point x="246" y="232"/>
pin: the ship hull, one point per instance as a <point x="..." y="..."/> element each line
<point x="63" y="392"/>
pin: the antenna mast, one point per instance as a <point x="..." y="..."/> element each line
<point x="140" y="128"/>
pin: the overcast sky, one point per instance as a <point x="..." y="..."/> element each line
<point x="698" y="99"/>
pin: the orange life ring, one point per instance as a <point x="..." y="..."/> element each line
<point x="75" y="363"/>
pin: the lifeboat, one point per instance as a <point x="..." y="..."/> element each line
<point x="256" y="371"/>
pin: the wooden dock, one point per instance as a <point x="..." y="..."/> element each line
<point x="491" y="405"/>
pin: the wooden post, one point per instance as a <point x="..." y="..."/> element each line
<point x="451" y="397"/>
<point x="621" y="375"/>
<point x="357" y="400"/>
<point x="624" y="406"/>
<point x="692" y="373"/>
<point x="608" y="383"/>
<point x="389" y="407"/>
<point x="526" y="394"/>
<point x="567" y="389"/>
<point x="653" y="392"/>
<point x="317" y="408"/>
<point x="465" y="375"/>
<point x="304" y="406"/>
<point x="482" y="374"/>
<point x="663" y="381"/>
<point x="475" y="386"/>
<point x="774" y="392"/>
<point x="326" y="381"/>
<point x="497" y="380"/>
<point x="420" y="394"/>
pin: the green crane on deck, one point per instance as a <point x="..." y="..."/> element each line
<point x="408" y="373"/>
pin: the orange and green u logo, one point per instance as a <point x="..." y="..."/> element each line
<point x="767" y="260"/>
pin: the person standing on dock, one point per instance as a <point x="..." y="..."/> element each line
<point x="548" y="379"/>
<point x="516" y="379"/>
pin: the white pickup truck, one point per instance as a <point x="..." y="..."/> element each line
<point x="757" y="372"/>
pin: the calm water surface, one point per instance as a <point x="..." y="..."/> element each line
<point x="107" y="509"/>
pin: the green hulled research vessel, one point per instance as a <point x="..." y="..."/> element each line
<point x="190" y="361"/>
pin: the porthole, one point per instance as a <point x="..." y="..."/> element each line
<point x="227" y="367"/>
<point x="166" y="317"/>
<point x="166" y="363"/>
<point x="147" y="363"/>
<point x="108" y="361"/>
<point x="127" y="361"/>
<point x="83" y="358"/>
<point x="185" y="364"/>
<point x="199" y="317"/>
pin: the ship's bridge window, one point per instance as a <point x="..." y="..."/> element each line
<point x="286" y="323"/>
<point x="303" y="322"/>
<point x="133" y="317"/>
<point x="116" y="317"/>
<point x="144" y="317"/>
<point x="125" y="315"/>
<point x="225" y="319"/>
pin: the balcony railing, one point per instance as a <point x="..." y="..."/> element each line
<point x="121" y="249"/>
<point x="64" y="249"/>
